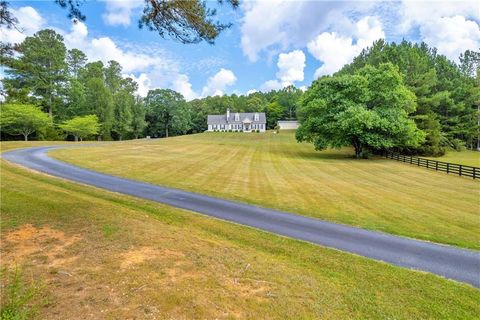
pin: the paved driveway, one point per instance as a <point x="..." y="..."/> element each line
<point x="450" y="262"/>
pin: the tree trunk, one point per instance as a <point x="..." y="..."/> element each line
<point x="76" y="138"/>
<point x="25" y="137"/>
<point x="358" y="148"/>
<point x="166" y="132"/>
<point x="120" y="137"/>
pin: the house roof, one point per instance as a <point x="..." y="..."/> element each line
<point x="222" y="118"/>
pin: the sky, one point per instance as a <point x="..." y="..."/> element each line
<point x="271" y="44"/>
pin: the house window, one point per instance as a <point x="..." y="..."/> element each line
<point x="256" y="116"/>
<point x="237" y="117"/>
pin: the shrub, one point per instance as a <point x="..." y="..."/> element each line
<point x="81" y="127"/>
<point x="230" y="130"/>
<point x="257" y="131"/>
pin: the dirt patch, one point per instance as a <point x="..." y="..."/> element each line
<point x="137" y="256"/>
<point x="47" y="245"/>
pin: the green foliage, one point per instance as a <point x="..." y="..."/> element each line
<point x="288" y="98"/>
<point x="99" y="101"/>
<point x="447" y="94"/>
<point x="81" y="127"/>
<point x="76" y="60"/>
<point x="273" y="112"/>
<point x="167" y="113"/>
<point x="40" y="69"/>
<point x="23" y="119"/>
<point x="138" y="117"/>
<point x="20" y="299"/>
<point x="368" y="109"/>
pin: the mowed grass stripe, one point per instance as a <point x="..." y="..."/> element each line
<point x="185" y="265"/>
<point x="275" y="171"/>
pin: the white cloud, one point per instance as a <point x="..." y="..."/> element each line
<point x="290" y="69"/>
<point x="291" y="66"/>
<point x="182" y="84"/>
<point x="273" y="85"/>
<point x="452" y="35"/>
<point x="144" y="83"/>
<point x="119" y="12"/>
<point x="217" y="83"/>
<point x="105" y="49"/>
<point x="277" y="25"/>
<point x="419" y="13"/>
<point x="450" y="26"/>
<point x="335" y="50"/>
<point x="29" y="22"/>
<point x="249" y="92"/>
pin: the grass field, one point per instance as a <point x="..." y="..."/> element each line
<point x="467" y="157"/>
<point x="97" y="255"/>
<point x="275" y="171"/>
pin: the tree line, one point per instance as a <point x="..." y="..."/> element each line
<point x="44" y="77"/>
<point x="403" y="97"/>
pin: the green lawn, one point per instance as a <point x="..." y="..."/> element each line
<point x="102" y="255"/>
<point x="467" y="157"/>
<point x="275" y="171"/>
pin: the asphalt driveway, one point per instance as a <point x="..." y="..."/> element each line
<point x="447" y="261"/>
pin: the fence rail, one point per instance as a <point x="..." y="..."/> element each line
<point x="453" y="168"/>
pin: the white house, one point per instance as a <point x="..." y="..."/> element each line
<point x="288" y="125"/>
<point x="245" y="122"/>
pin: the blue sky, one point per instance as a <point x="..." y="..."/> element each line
<point x="270" y="45"/>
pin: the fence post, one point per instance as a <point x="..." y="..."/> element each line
<point x="448" y="167"/>
<point x="411" y="159"/>
<point x="474" y="173"/>
<point x="418" y="162"/>
<point x="428" y="161"/>
<point x="436" y="165"/>
<point x="460" y="170"/>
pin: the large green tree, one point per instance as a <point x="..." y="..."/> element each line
<point x="167" y="113"/>
<point x="445" y="91"/>
<point x="76" y="60"/>
<point x="366" y="110"/>
<point x="23" y="119"/>
<point x="40" y="70"/>
<point x="138" y="117"/>
<point x="99" y="101"/>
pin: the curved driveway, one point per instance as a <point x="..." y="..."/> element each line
<point x="450" y="262"/>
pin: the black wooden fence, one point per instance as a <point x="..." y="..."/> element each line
<point x="453" y="168"/>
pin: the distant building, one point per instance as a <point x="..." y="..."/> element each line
<point x="246" y="122"/>
<point x="288" y="125"/>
